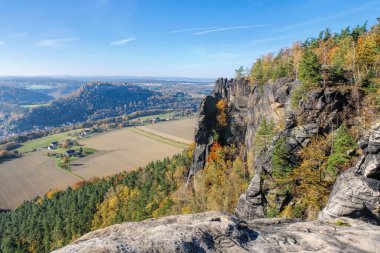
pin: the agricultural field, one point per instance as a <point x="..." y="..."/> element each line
<point x="179" y="130"/>
<point x="29" y="176"/>
<point x="119" y="150"/>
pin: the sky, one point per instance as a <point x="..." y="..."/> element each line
<point x="181" y="38"/>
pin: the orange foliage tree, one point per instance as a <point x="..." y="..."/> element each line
<point x="215" y="151"/>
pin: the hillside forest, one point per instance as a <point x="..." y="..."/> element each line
<point x="96" y="101"/>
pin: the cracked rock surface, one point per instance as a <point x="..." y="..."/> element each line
<point x="220" y="232"/>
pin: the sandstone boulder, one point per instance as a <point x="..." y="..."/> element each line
<point x="356" y="193"/>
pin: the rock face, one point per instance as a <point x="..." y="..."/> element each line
<point x="320" y="112"/>
<point x="247" y="105"/>
<point x="356" y="193"/>
<point x="219" y="232"/>
<point x="203" y="130"/>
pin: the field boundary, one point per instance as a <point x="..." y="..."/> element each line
<point x="70" y="172"/>
<point x="159" y="138"/>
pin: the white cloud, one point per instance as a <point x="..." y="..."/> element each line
<point x="122" y="42"/>
<point x="2" y="43"/>
<point x="222" y="29"/>
<point x="55" y="43"/>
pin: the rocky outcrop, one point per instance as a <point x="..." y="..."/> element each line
<point x="219" y="232"/>
<point x="247" y="105"/>
<point x="356" y="193"/>
<point x="203" y="132"/>
<point x="320" y="112"/>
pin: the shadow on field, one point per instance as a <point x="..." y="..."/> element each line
<point x="77" y="164"/>
<point x="3" y="160"/>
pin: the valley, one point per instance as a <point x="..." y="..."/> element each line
<point x="34" y="173"/>
<point x="29" y="106"/>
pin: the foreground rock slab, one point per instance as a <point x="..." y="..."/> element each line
<point x="220" y="232"/>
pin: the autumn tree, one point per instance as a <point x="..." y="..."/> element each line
<point x="117" y="206"/>
<point x="311" y="187"/>
<point x="66" y="143"/>
<point x="215" y="152"/>
<point x="222" y="113"/>
<point x="4" y="153"/>
<point x="368" y="53"/>
<point x="297" y="52"/>
<point x="65" y="162"/>
<point x="218" y="186"/>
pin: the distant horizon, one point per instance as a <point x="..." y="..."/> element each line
<point x="147" y="38"/>
<point x="167" y="78"/>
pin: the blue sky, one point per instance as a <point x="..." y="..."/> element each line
<point x="191" y="38"/>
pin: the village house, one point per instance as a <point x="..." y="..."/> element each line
<point x="70" y="152"/>
<point x="53" y="145"/>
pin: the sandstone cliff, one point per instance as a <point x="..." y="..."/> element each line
<point x="320" y="112"/>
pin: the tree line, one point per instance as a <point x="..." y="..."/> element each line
<point x="350" y="55"/>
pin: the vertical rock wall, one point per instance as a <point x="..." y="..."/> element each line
<point x="320" y="112"/>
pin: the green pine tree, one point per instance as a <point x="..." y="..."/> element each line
<point x="264" y="135"/>
<point x="280" y="159"/>
<point x="339" y="157"/>
<point x="257" y="73"/>
<point x="309" y="70"/>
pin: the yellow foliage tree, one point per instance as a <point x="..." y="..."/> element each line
<point x="50" y="194"/>
<point x="117" y="203"/>
<point x="218" y="186"/>
<point x="297" y="56"/>
<point x="368" y="52"/>
<point x="311" y="187"/>
<point x="222" y="113"/>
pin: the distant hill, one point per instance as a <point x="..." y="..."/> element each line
<point x="22" y="96"/>
<point x="96" y="101"/>
<point x="13" y="98"/>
